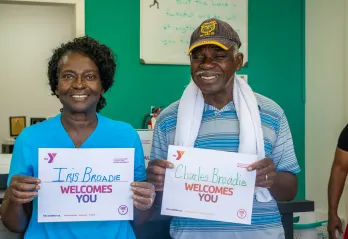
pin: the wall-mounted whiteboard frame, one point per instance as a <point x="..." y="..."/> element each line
<point x="163" y="21"/>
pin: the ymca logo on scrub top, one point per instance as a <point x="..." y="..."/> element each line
<point x="180" y="154"/>
<point x="50" y="158"/>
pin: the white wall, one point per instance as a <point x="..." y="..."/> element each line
<point x="28" y="33"/>
<point x="325" y="88"/>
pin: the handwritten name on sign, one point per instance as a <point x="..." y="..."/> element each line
<point x="208" y="192"/>
<point x="209" y="184"/>
<point x="78" y="184"/>
<point x="85" y="193"/>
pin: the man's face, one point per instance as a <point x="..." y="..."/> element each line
<point x="212" y="68"/>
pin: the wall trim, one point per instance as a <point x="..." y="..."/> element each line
<point x="79" y="11"/>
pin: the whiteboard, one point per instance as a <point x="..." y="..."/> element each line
<point x="166" y="26"/>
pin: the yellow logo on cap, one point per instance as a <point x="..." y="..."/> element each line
<point x="208" y="28"/>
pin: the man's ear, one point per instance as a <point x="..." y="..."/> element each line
<point x="239" y="61"/>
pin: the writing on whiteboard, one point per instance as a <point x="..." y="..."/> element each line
<point x="166" y="32"/>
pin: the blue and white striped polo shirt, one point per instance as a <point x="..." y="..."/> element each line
<point x="220" y="131"/>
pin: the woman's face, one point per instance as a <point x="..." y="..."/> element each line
<point x="79" y="85"/>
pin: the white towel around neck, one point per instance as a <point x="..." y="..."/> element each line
<point x="189" y="118"/>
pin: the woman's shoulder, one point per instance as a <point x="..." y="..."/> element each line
<point x="42" y="127"/>
<point x="115" y="125"/>
<point x="343" y="139"/>
<point x="117" y="132"/>
<point x="37" y="133"/>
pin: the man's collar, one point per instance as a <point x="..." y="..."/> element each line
<point x="229" y="107"/>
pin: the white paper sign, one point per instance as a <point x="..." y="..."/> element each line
<point x="209" y="184"/>
<point x="85" y="184"/>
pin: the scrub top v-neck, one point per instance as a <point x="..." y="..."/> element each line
<point x="64" y="134"/>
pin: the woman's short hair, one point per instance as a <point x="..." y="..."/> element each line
<point x="102" y="56"/>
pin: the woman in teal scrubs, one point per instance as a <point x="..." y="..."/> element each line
<point x="79" y="73"/>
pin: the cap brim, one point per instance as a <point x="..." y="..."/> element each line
<point x="223" y="43"/>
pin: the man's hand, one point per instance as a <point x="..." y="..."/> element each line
<point x="143" y="195"/>
<point x="22" y="189"/>
<point x="333" y="225"/>
<point x="156" y="171"/>
<point x="265" y="172"/>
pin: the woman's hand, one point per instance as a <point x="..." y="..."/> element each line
<point x="22" y="189"/>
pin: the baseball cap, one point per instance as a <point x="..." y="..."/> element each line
<point x="216" y="32"/>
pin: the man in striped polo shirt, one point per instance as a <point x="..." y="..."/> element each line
<point x="214" y="59"/>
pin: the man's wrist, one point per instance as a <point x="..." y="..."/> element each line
<point x="332" y="211"/>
